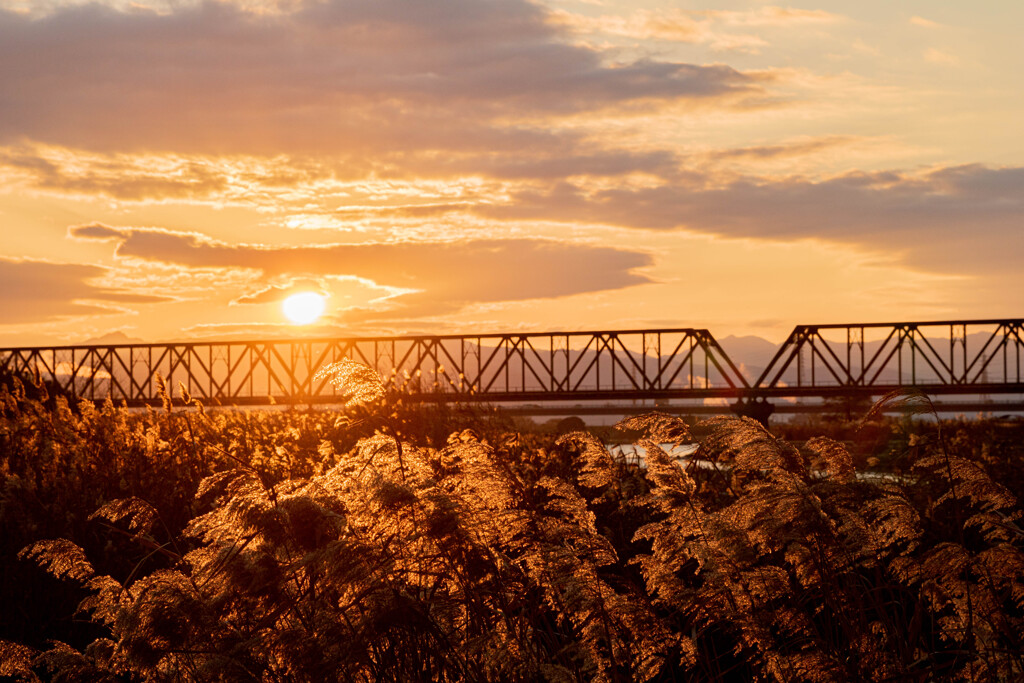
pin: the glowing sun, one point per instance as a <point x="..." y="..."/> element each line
<point x="304" y="308"/>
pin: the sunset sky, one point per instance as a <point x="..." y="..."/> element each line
<point x="175" y="169"/>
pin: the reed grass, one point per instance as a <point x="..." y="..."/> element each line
<point x="211" y="546"/>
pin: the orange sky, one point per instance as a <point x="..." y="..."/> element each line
<point x="175" y="169"/>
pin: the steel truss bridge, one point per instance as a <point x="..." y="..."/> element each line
<point x="971" y="360"/>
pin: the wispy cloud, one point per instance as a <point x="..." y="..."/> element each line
<point x="936" y="56"/>
<point x="252" y="180"/>
<point x="924" y="23"/>
<point x="773" y="15"/>
<point x="277" y="293"/>
<point x="786" y="149"/>
<point x="673" y="24"/>
<point x="715" y="28"/>
<point x="40" y="291"/>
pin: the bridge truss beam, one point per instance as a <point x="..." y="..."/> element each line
<point x="976" y="357"/>
<point x="970" y="359"/>
<point x="620" y="365"/>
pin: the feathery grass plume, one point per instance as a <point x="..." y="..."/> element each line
<point x="359" y="382"/>
<point x="1002" y="568"/>
<point x="835" y="456"/>
<point x="942" y="574"/>
<point x="251" y="509"/>
<point x="186" y="395"/>
<point x="580" y="532"/>
<point x="16" y="662"/>
<point x="65" y="663"/>
<point x="656" y="429"/>
<point x="106" y="600"/>
<point x="42" y="391"/>
<point x="599" y="468"/>
<point x="224" y="483"/>
<point x="380" y="453"/>
<point x="563" y="555"/>
<point x="60" y="557"/>
<point x="163" y="630"/>
<point x="779" y="571"/>
<point x="751" y="448"/>
<point x="996" y="527"/>
<point x="907" y="400"/>
<point x="165" y="395"/>
<point x="363" y="388"/>
<point x="974" y="606"/>
<point x="141" y="515"/>
<point x="345" y="585"/>
<point x="9" y="398"/>
<point x="676" y="537"/>
<point x="893" y="525"/>
<point x="968" y="483"/>
<point x="659" y="427"/>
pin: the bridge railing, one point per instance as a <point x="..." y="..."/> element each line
<point x="540" y="366"/>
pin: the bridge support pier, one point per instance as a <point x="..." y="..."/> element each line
<point x="756" y="408"/>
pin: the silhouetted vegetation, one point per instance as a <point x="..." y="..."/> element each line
<point x="33" y="386"/>
<point x="389" y="542"/>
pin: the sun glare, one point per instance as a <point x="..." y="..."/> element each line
<point x="304" y="308"/>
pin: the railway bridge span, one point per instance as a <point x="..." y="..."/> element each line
<point x="976" y="364"/>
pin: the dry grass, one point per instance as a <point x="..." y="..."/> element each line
<point x="502" y="557"/>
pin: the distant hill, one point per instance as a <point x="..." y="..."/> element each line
<point x="117" y="338"/>
<point x="750" y="354"/>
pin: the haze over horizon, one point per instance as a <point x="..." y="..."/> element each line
<point x="176" y="169"/>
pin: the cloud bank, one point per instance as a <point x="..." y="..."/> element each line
<point x="962" y="219"/>
<point x="439" y="276"/>
<point x="345" y="76"/>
